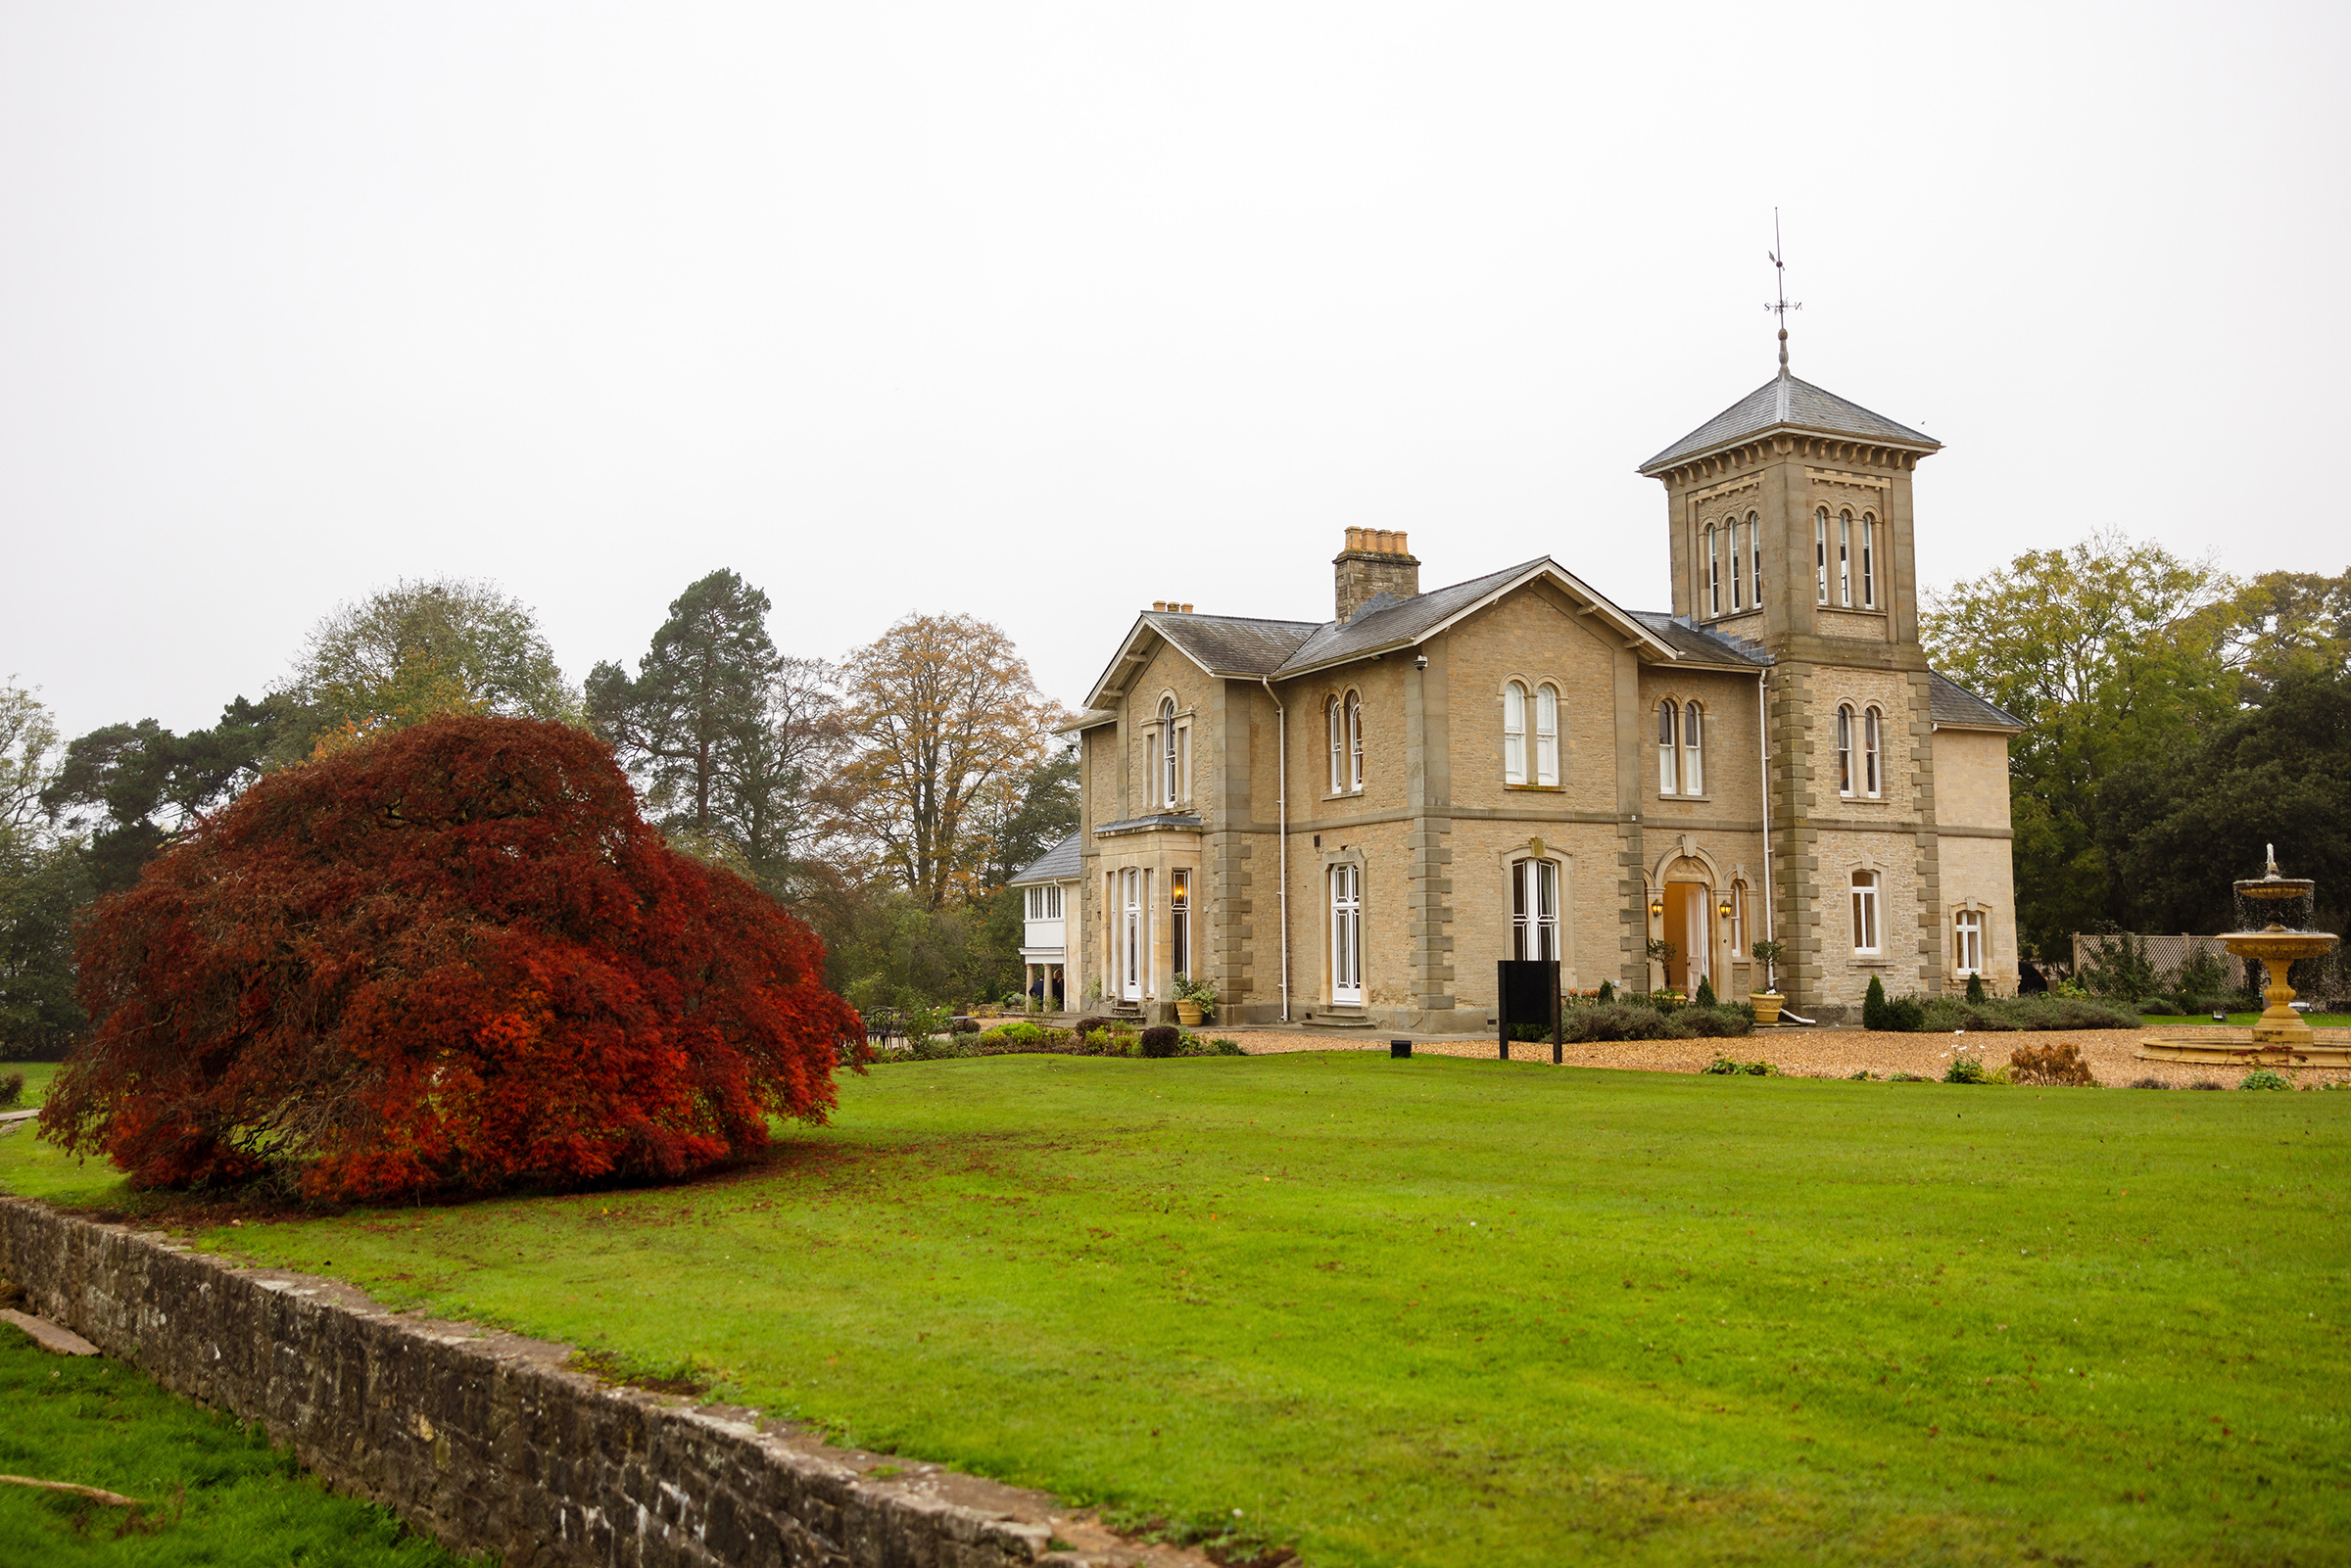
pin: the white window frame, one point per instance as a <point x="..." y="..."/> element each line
<point x="1845" y="559"/>
<point x="1864" y="886"/>
<point x="1669" y="739"/>
<point x="1347" y="934"/>
<point x="1534" y="908"/>
<point x="1514" y="732"/>
<point x="1133" y="949"/>
<point x="1754" y="546"/>
<point x="1845" y="749"/>
<point x="1179" y="921"/>
<point x="1873" y="767"/>
<point x="1967" y="934"/>
<point x="1694" y="748"/>
<point x="1820" y="551"/>
<point x="1738" y="565"/>
<point x="1735" y="930"/>
<point x="1355" y="740"/>
<point x="1547" y="734"/>
<point x="1170" y="780"/>
<point x="1713" y="574"/>
<point x="1869" y="562"/>
<point x="1331" y="716"/>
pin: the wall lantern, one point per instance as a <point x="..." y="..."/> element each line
<point x="1656" y="908"/>
<point x="1723" y="909"/>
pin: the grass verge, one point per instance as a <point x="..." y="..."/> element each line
<point x="1449" y="1312"/>
<point x="214" y="1493"/>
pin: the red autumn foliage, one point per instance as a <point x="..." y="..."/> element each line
<point x="454" y="958"/>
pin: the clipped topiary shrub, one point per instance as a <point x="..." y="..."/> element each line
<point x="1975" y="990"/>
<point x="1608" y="992"/>
<point x="1873" y="1006"/>
<point x="1704" y="996"/>
<point x="1162" y="1040"/>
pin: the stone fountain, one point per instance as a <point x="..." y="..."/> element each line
<point x="2281" y="1037"/>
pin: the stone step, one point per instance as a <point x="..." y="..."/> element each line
<point x="49" y="1336"/>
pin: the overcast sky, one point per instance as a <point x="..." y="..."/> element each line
<point x="1045" y="312"/>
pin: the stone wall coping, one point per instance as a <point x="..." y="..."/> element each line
<point x="487" y="1440"/>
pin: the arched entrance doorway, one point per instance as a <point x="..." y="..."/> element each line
<point x="1689" y="922"/>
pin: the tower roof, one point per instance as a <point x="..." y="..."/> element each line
<point x="1785" y="404"/>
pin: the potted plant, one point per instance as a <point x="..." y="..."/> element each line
<point x="1767" y="1000"/>
<point x="1195" y="1001"/>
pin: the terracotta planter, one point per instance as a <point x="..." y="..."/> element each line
<point x="1767" y="1007"/>
<point x="1187" y="1014"/>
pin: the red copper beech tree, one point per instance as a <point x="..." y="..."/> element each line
<point x="453" y="958"/>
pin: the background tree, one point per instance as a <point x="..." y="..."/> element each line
<point x="133" y="787"/>
<point x="2281" y="623"/>
<point x="451" y="957"/>
<point x="2179" y="827"/>
<point x="729" y="737"/>
<point x="42" y="881"/>
<point x="414" y="651"/>
<point x="940" y="711"/>
<point x="1032" y="813"/>
<point x="2111" y="652"/>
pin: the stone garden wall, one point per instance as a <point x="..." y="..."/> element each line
<point x="484" y="1440"/>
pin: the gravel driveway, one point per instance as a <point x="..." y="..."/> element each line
<point x="1822" y="1053"/>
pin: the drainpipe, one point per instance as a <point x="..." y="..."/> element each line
<point x="1281" y="811"/>
<point x="1763" y="750"/>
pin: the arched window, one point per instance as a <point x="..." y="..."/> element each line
<point x="1535" y="909"/>
<point x="1869" y="562"/>
<point x="1967" y="942"/>
<point x="1713" y="575"/>
<point x="1346" y="933"/>
<point x="1873" y="772"/>
<point x="1168" y="776"/>
<point x="1514" y="734"/>
<point x="1865" y="912"/>
<point x="1820" y="551"/>
<point x="1668" y="742"/>
<point x="1738" y="564"/>
<point x="1355" y="741"/>
<point x="1546" y="736"/>
<point x="1844" y="558"/>
<point x="1334" y="719"/>
<point x="1844" y="751"/>
<point x="1735" y="926"/>
<point x="1754" y="546"/>
<point x="1694" y="751"/>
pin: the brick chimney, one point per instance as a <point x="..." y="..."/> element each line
<point x="1374" y="561"/>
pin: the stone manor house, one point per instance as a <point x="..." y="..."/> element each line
<point x="1346" y="822"/>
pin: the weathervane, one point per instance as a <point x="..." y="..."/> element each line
<point x="1780" y="269"/>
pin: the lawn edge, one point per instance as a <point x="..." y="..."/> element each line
<point x="486" y="1440"/>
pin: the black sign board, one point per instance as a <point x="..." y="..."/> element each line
<point x="1529" y="990"/>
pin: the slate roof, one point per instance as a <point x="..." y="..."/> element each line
<point x="1696" y="642"/>
<point x="1950" y="702"/>
<point x="1381" y="622"/>
<point x="1056" y="864"/>
<point x="1232" y="644"/>
<point x="1784" y="403"/>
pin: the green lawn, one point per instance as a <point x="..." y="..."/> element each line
<point x="216" y="1493"/>
<point x="1468" y="1313"/>
<point x="36" y="1082"/>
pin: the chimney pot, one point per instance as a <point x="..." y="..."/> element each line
<point x="1159" y="603"/>
<point x="1373" y="562"/>
<point x="1187" y="609"/>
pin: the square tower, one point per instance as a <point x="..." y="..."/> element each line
<point x="1791" y="524"/>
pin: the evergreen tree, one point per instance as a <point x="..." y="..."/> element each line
<point x="1875" y="1015"/>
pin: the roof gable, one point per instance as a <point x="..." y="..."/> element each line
<point x="1405" y="622"/>
<point x="1220" y="644"/>
<point x="1785" y="404"/>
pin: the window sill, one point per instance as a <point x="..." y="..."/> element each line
<point x="1701" y="800"/>
<point x="1863" y="800"/>
<point x="1344" y="794"/>
<point x="1539" y="788"/>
